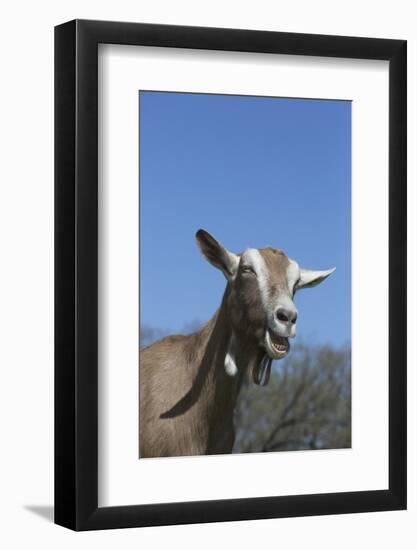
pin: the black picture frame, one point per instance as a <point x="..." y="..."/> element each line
<point x="76" y="272"/>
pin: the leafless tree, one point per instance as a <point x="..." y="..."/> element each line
<point x="307" y="404"/>
<point x="149" y="334"/>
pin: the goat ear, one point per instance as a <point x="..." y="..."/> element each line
<point x="310" y="278"/>
<point x="217" y="255"/>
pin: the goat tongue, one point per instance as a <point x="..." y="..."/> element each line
<point x="262" y="371"/>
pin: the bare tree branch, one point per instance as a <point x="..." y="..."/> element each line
<point x="307" y="404"/>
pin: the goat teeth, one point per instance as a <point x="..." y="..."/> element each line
<point x="279" y="347"/>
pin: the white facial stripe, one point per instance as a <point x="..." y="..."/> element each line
<point x="293" y="274"/>
<point x="254" y="257"/>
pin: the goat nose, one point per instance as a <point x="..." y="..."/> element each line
<point x="286" y="315"/>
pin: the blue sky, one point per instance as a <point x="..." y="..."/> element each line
<point x="254" y="172"/>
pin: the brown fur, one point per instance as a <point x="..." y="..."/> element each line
<point x="277" y="263"/>
<point x="186" y="397"/>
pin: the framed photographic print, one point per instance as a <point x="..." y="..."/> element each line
<point x="230" y="248"/>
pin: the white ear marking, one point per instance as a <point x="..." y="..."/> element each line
<point x="234" y="261"/>
<point x="310" y="278"/>
<point x="217" y="254"/>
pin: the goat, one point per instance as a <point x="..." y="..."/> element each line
<point x="189" y="384"/>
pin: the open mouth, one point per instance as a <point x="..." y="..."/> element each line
<point x="277" y="346"/>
